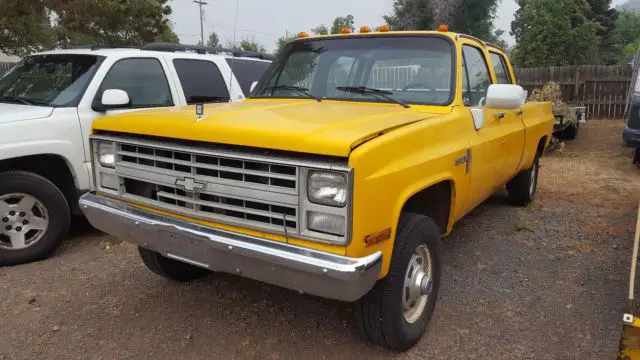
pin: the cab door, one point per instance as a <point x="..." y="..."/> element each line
<point x="486" y="142"/>
<point x="511" y="124"/>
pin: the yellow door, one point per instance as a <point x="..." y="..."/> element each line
<point x="486" y="143"/>
<point x="512" y="142"/>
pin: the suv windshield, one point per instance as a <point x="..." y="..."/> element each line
<point x="408" y="69"/>
<point x="48" y="80"/>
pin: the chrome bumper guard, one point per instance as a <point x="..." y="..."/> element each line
<point x="293" y="267"/>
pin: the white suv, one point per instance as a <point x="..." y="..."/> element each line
<point x="48" y="102"/>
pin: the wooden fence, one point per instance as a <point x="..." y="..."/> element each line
<point x="602" y="89"/>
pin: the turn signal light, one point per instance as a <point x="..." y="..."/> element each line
<point x="345" y="30"/>
<point x="443" y="28"/>
<point x="365" y="29"/>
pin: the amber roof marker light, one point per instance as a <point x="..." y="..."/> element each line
<point x="443" y="28"/>
<point x="302" y="35"/>
<point x="365" y="29"/>
<point x="383" y="28"/>
<point x="345" y="30"/>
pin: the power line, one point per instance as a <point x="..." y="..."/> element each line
<point x="200" y="4"/>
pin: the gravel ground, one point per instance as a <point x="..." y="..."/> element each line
<point x="543" y="282"/>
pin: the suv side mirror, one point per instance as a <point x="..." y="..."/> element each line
<point x="505" y="96"/>
<point x="253" y="86"/>
<point x="113" y="99"/>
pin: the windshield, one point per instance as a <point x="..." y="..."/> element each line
<point x="49" y="80"/>
<point x="410" y="69"/>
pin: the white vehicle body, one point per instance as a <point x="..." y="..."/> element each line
<point x="56" y="138"/>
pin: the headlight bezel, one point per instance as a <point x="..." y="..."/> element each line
<point x="308" y="206"/>
<point x="99" y="168"/>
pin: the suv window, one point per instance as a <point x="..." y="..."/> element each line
<point x="201" y="81"/>
<point x="143" y="79"/>
<point x="476" y="79"/>
<point x="500" y="68"/>
<point x="247" y="71"/>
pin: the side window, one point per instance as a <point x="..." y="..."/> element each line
<point x="143" y="79"/>
<point x="500" y="68"/>
<point x="247" y="71"/>
<point x="477" y="74"/>
<point x="201" y="81"/>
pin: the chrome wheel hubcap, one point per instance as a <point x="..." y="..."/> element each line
<point x="418" y="284"/>
<point x="23" y="221"/>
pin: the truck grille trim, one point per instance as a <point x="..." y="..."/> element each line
<point x="275" y="176"/>
<point x="226" y="189"/>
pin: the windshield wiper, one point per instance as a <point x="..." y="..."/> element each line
<point x="378" y="92"/>
<point x="15" y="99"/>
<point x="298" y="89"/>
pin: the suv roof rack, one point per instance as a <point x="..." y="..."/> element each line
<point x="98" y="47"/>
<point x="170" y="47"/>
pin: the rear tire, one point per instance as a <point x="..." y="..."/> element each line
<point x="522" y="188"/>
<point x="34" y="217"/>
<point x="382" y="315"/>
<point x="570" y="132"/>
<point x="169" y="268"/>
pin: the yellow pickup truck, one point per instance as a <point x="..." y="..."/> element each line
<point x="353" y="156"/>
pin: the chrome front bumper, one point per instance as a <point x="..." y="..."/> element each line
<point x="293" y="267"/>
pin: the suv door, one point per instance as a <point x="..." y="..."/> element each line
<point x="201" y="81"/>
<point x="144" y="80"/>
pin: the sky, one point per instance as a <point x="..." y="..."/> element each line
<point x="267" y="20"/>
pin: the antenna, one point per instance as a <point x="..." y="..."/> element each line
<point x="200" y="4"/>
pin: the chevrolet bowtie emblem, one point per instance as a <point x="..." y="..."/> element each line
<point x="190" y="184"/>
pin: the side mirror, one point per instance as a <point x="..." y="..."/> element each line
<point x="505" y="96"/>
<point x="253" y="86"/>
<point x="113" y="99"/>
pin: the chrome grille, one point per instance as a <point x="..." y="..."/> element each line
<point x="212" y="186"/>
<point x="274" y="176"/>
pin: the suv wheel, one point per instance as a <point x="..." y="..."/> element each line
<point x="34" y="217"/>
<point x="396" y="312"/>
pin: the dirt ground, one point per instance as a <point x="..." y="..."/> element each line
<point x="544" y="282"/>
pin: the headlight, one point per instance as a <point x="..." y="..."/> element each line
<point x="106" y="155"/>
<point x="327" y="188"/>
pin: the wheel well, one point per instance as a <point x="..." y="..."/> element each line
<point x="434" y="202"/>
<point x="52" y="167"/>
<point x="541" y="144"/>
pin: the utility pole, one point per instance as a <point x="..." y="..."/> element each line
<point x="200" y="4"/>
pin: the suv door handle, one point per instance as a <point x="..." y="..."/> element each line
<point x="519" y="112"/>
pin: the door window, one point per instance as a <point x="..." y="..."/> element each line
<point x="476" y="78"/>
<point x="247" y="71"/>
<point x="201" y="81"/>
<point x="500" y="68"/>
<point x="143" y="79"/>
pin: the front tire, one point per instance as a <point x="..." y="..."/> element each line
<point x="169" y="268"/>
<point x="34" y="217"/>
<point x="396" y="312"/>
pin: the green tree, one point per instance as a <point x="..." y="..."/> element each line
<point x="281" y="42"/>
<point x="626" y="35"/>
<point x="246" y="45"/>
<point x="27" y="26"/>
<point x="602" y="13"/>
<point x="320" y="30"/>
<point x="473" y="17"/>
<point x="24" y="27"/>
<point x="213" y="40"/>
<point x="552" y="32"/>
<point x="342" y="22"/>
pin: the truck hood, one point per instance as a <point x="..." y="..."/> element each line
<point x="327" y="127"/>
<point x="17" y="112"/>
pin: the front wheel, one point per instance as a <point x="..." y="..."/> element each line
<point x="396" y="312"/>
<point x="34" y="217"/>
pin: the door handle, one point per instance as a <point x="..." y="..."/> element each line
<point x="519" y="112"/>
<point x="499" y="115"/>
